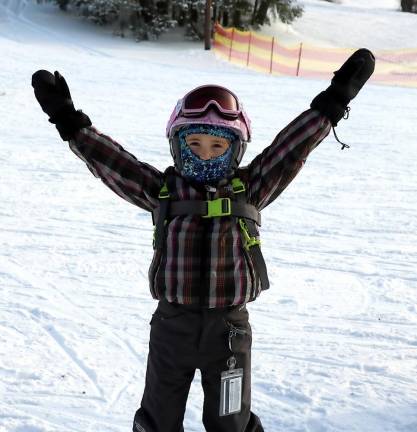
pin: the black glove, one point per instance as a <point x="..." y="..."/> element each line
<point x="345" y="85"/>
<point x="54" y="97"/>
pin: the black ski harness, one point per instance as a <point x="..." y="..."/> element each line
<point x="246" y="214"/>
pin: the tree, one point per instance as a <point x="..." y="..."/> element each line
<point x="245" y="13"/>
<point x="147" y="19"/>
<point x="63" y="4"/>
<point x="409" y="5"/>
<point x="286" y="10"/>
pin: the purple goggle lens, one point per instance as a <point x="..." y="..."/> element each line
<point x="200" y="99"/>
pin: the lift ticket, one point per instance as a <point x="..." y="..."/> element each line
<point x="231" y="392"/>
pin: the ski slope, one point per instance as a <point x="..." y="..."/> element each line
<point x="350" y="23"/>
<point x="334" y="338"/>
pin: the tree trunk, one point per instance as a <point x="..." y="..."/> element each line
<point x="407" y="5"/>
<point x="196" y="30"/>
<point x="225" y="20"/>
<point x="236" y="18"/>
<point x="261" y="14"/>
<point x="170" y="9"/>
<point x="63" y="4"/>
<point x="255" y="10"/>
<point x="214" y="17"/>
<point x="207" y="25"/>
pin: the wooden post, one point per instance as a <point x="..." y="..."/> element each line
<point x="299" y="59"/>
<point x="231" y="43"/>
<point x="207" y="26"/>
<point x="250" y="40"/>
<point x="272" y="55"/>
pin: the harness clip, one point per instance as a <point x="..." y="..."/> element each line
<point x="218" y="207"/>
<point x="164" y="192"/>
<point x="249" y="241"/>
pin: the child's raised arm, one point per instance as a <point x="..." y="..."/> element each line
<point x="134" y="181"/>
<point x="274" y="169"/>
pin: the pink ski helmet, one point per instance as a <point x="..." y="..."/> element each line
<point x="210" y="105"/>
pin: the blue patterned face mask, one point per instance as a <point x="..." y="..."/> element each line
<point x="205" y="171"/>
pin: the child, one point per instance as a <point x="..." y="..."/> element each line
<point x="207" y="262"/>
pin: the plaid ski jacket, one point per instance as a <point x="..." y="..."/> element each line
<point x="203" y="260"/>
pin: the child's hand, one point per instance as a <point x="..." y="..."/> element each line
<point x="54" y="97"/>
<point x="346" y="83"/>
<point x="52" y="93"/>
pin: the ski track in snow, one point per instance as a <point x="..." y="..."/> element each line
<point x="334" y="341"/>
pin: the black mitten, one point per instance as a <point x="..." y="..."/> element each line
<point x="345" y="85"/>
<point x="54" y="97"/>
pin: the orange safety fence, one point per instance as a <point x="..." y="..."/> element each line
<point x="266" y="54"/>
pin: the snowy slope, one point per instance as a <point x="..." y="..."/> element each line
<point x="334" y="339"/>
<point x="376" y="24"/>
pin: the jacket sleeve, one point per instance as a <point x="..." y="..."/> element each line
<point x="134" y="181"/>
<point x="274" y="169"/>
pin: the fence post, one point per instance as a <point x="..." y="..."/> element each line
<point x="299" y="58"/>
<point x="250" y="40"/>
<point x="272" y="55"/>
<point x="231" y="43"/>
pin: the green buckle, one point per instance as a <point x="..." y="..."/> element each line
<point x="218" y="207"/>
<point x="238" y="185"/>
<point x="249" y="241"/>
<point x="163" y="193"/>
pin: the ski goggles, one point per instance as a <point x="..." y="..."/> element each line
<point x="199" y="100"/>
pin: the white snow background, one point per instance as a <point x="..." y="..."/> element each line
<point x="334" y="338"/>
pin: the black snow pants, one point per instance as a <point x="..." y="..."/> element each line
<point x="184" y="338"/>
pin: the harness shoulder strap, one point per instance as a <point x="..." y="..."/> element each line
<point x="159" y="217"/>
<point x="251" y="239"/>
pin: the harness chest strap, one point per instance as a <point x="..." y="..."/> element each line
<point x="210" y="208"/>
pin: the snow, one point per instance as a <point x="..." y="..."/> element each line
<point x="376" y="24"/>
<point x="334" y="340"/>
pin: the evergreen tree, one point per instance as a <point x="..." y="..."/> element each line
<point x="147" y="19"/>
<point x="245" y="13"/>
<point x="285" y="10"/>
<point x="63" y="4"/>
<point x="144" y="19"/>
<point x="409" y="5"/>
